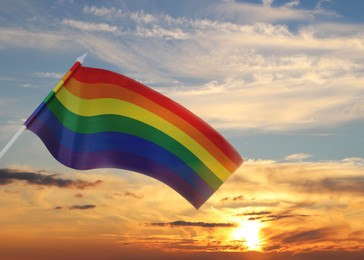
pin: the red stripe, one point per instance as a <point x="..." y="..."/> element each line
<point x="94" y="75"/>
<point x="75" y="66"/>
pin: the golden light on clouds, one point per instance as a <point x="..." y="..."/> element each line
<point x="266" y="207"/>
<point x="283" y="80"/>
<point x="248" y="232"/>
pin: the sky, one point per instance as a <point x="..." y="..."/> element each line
<point x="282" y="80"/>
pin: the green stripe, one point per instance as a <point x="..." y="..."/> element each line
<point x="117" y="123"/>
<point x="49" y="97"/>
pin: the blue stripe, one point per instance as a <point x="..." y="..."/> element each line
<point x="118" y="143"/>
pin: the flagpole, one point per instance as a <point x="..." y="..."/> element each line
<point x="78" y="63"/>
<point x="12" y="140"/>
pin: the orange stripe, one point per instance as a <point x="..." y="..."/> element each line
<point x="94" y="91"/>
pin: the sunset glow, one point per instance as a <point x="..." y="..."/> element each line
<point x="281" y="80"/>
<point x="248" y="233"/>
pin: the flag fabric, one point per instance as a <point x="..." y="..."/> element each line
<point x="101" y="119"/>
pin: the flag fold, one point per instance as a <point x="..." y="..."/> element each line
<point x="101" y="119"/>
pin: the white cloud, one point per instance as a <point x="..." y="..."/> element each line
<point x="321" y="2"/>
<point x="7" y="79"/>
<point x="354" y="161"/>
<point x="11" y="37"/>
<point x="336" y="29"/>
<point x="89" y="26"/>
<point x="160" y="32"/>
<point x="139" y="17"/>
<point x="255" y="75"/>
<point x="54" y="75"/>
<point x="297" y="157"/>
<point x="142" y="18"/>
<point x="267" y="2"/>
<point x="101" y="11"/>
<point x="292" y="4"/>
<point x="250" y="13"/>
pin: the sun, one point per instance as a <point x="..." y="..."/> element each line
<point x="248" y="233"/>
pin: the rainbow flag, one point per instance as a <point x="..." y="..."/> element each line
<point x="100" y="119"/>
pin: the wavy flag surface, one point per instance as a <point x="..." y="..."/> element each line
<point x="101" y="119"/>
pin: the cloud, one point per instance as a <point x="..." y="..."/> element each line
<point x="267" y="3"/>
<point x="102" y="11"/>
<point x="160" y="32"/>
<point x="180" y="223"/>
<point x="265" y="12"/>
<point x="7" y="79"/>
<point x="240" y="197"/>
<point x="132" y="195"/>
<point x="320" y="4"/>
<point x="140" y="17"/>
<point x="236" y="198"/>
<point x="255" y="213"/>
<point x="267" y="216"/>
<point x="78" y="195"/>
<point x="8" y="176"/>
<point x="292" y="192"/>
<point x="266" y="94"/>
<point x="297" y="157"/>
<point x="224" y="68"/>
<point x="34" y="39"/>
<point x="290" y="216"/>
<point x="305" y="239"/>
<point x="83" y="207"/>
<point x="225" y="10"/>
<point x="53" y="75"/>
<point x="344" y="177"/>
<point x="309" y="235"/>
<point x="90" y="26"/>
<point x="292" y="4"/>
<point x="240" y="65"/>
<point x="127" y="194"/>
<point x="225" y="199"/>
<point x="272" y="217"/>
<point x="354" y="161"/>
<point x="77" y="207"/>
<point x="347" y="184"/>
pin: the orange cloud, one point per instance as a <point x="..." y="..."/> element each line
<point x="8" y="176"/>
<point x="293" y="208"/>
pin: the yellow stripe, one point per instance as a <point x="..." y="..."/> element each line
<point x="58" y="86"/>
<point x="100" y="106"/>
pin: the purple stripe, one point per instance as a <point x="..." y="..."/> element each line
<point x="34" y="114"/>
<point x="118" y="159"/>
